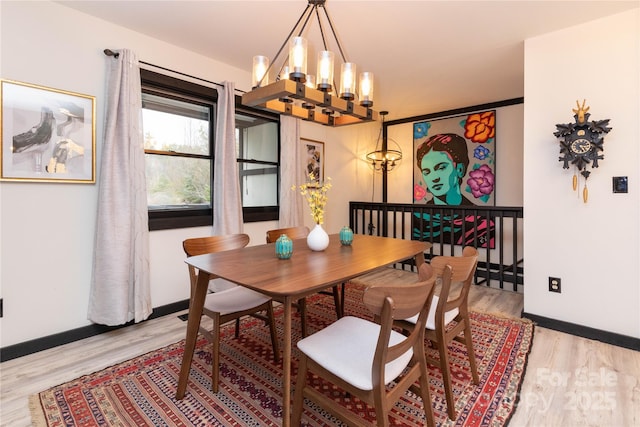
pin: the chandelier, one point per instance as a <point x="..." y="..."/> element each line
<point x="316" y="98"/>
<point x="385" y="158"/>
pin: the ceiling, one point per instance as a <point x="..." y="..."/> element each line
<point x="427" y="56"/>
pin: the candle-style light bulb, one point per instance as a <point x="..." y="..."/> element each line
<point x="284" y="74"/>
<point x="298" y="59"/>
<point x="348" y="81"/>
<point x="366" y="89"/>
<point x="260" y="67"/>
<point x="324" y="77"/>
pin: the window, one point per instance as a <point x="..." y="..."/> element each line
<point x="179" y="129"/>
<point x="257" y="147"/>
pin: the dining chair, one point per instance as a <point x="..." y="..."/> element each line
<point x="231" y="303"/>
<point x="363" y="357"/>
<point x="447" y="309"/>
<point x="337" y="291"/>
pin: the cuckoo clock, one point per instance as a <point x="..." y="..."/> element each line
<point x="581" y="144"/>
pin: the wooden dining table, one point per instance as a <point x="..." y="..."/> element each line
<point x="287" y="280"/>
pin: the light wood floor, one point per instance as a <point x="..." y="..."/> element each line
<point x="569" y="381"/>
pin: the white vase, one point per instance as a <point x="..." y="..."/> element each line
<point x="318" y="239"/>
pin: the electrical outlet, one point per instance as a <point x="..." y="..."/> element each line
<point x="554" y="284"/>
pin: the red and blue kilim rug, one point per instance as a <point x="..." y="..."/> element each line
<point x="141" y="391"/>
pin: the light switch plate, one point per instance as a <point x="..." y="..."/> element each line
<point x="620" y="184"/>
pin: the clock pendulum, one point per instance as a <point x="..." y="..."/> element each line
<point x="585" y="191"/>
<point x="581" y="143"/>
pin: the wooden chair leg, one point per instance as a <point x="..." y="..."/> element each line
<point x="380" y="405"/>
<point x="424" y="391"/>
<point x="472" y="357"/>
<point x="298" y="396"/>
<point x="215" y="354"/>
<point x="237" y="328"/>
<point x="272" y="330"/>
<point x="338" y="301"/>
<point x="302" y="309"/>
<point x="446" y="379"/>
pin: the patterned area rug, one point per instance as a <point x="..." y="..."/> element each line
<point x="140" y="392"/>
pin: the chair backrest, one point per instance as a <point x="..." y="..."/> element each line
<point x="291" y="232"/>
<point x="391" y="302"/>
<point x="463" y="269"/>
<point x="206" y="245"/>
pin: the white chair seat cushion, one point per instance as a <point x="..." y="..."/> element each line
<point x="431" y="318"/>
<point x="234" y="299"/>
<point x="218" y="285"/>
<point x="346" y="348"/>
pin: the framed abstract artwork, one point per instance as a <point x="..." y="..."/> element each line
<point x="454" y="167"/>
<point x="47" y="134"/>
<point x="313" y="155"/>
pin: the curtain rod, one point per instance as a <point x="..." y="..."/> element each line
<point x="110" y="52"/>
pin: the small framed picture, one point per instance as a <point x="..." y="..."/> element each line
<point x="313" y="160"/>
<point x="47" y="134"/>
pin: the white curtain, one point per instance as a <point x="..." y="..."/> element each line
<point x="227" y="203"/>
<point x="120" y="289"/>
<point x="291" y="172"/>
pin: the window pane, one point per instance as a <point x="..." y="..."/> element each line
<point x="259" y="185"/>
<point x="178" y="121"/>
<point x="175" y="182"/>
<point x="172" y="125"/>
<point x="259" y="142"/>
<point x="257" y="146"/>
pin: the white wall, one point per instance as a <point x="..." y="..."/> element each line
<point x="592" y="247"/>
<point x="47" y="230"/>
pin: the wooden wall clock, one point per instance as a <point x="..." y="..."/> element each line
<point x="581" y="144"/>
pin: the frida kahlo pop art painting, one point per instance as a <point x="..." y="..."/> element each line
<point x="454" y="166"/>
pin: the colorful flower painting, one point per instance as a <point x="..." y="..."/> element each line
<point x="480" y="127"/>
